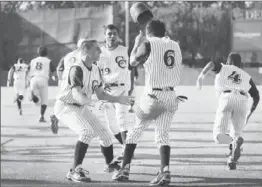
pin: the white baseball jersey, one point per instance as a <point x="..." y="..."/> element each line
<point x="162" y="68"/>
<point x="20" y="71"/>
<point x="114" y="65"/>
<point x="232" y="78"/>
<point x="91" y="79"/>
<point x="40" y="67"/>
<point x="69" y="60"/>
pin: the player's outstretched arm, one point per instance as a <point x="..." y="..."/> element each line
<point x="254" y="93"/>
<point x="204" y="72"/>
<point x="10" y="75"/>
<point x="125" y="100"/>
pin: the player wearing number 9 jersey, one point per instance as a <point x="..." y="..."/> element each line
<point x="40" y="68"/>
<point x="162" y="60"/>
<point x="233" y="86"/>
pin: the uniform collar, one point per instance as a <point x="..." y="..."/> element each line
<point x="88" y="68"/>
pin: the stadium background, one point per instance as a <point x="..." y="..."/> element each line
<point x="205" y="30"/>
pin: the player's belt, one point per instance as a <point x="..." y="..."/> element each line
<point x="164" y="89"/>
<point x="241" y="92"/>
<point x="116" y="85"/>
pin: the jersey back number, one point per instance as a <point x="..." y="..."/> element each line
<point x="39" y="66"/>
<point x="235" y="77"/>
<point x="169" y="59"/>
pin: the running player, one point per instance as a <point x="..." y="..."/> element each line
<point x="233" y="86"/>
<point x="160" y="56"/>
<point x="114" y="68"/>
<point x="63" y="68"/>
<point x="71" y="109"/>
<point x="40" y="68"/>
<point x="19" y="72"/>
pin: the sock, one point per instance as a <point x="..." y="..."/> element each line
<point x="123" y="135"/>
<point x="18" y="104"/>
<point x="80" y="152"/>
<point x="108" y="153"/>
<point x="43" y="109"/>
<point x="119" y="138"/>
<point x="164" y="156"/>
<point x="128" y="154"/>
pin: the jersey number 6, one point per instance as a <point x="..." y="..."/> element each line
<point x="38" y="66"/>
<point x="169" y="58"/>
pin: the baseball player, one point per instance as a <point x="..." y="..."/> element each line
<point x="114" y="68"/>
<point x="19" y="72"/>
<point x="71" y="108"/>
<point x="64" y="65"/>
<point x="233" y="86"/>
<point x="40" y="68"/>
<point x="162" y="60"/>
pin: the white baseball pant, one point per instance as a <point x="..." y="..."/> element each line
<point x="83" y="122"/>
<point x="159" y="106"/>
<point x="19" y="86"/>
<point x="232" y="106"/>
<point x="115" y="113"/>
<point x="39" y="85"/>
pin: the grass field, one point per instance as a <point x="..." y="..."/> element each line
<point x="32" y="156"/>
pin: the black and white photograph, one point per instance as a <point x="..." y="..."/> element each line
<point x="131" y="93"/>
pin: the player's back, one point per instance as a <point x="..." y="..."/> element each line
<point x="40" y="67"/>
<point x="231" y="77"/>
<point x="163" y="65"/>
<point x="20" y="70"/>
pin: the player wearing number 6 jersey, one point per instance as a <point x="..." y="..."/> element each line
<point x="233" y="86"/>
<point x="40" y="68"/>
<point x="162" y="59"/>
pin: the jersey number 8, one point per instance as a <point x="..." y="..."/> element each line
<point x="38" y="66"/>
<point x="169" y="58"/>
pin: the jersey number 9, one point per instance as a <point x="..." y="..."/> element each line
<point x="39" y="66"/>
<point x="169" y="58"/>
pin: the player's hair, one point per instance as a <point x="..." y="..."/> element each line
<point x="156" y="28"/>
<point x="86" y="45"/>
<point x="110" y="27"/>
<point x="42" y="51"/>
<point x="235" y="59"/>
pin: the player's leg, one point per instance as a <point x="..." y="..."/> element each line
<point x="34" y="90"/>
<point x="121" y="112"/>
<point x="44" y="99"/>
<point x="239" y="114"/>
<point x="73" y="117"/>
<point x="223" y="115"/>
<point x="104" y="135"/>
<point x="111" y="120"/>
<point x="163" y="123"/>
<point x="19" y="91"/>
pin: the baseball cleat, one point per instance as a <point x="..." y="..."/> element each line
<point x="162" y="179"/>
<point x="122" y="174"/>
<point x="78" y="175"/>
<point x="20" y="112"/>
<point x="109" y="168"/>
<point x="54" y="124"/>
<point x="42" y="119"/>
<point x="236" y="153"/>
<point x="231" y="164"/>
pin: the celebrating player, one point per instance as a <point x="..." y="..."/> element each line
<point x="233" y="86"/>
<point x="71" y="108"/>
<point x="19" y="72"/>
<point x="113" y="65"/>
<point x="160" y="56"/>
<point x="40" y="68"/>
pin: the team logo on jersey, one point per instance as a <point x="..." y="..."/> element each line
<point x="121" y="61"/>
<point x="95" y="85"/>
<point x="169" y="58"/>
